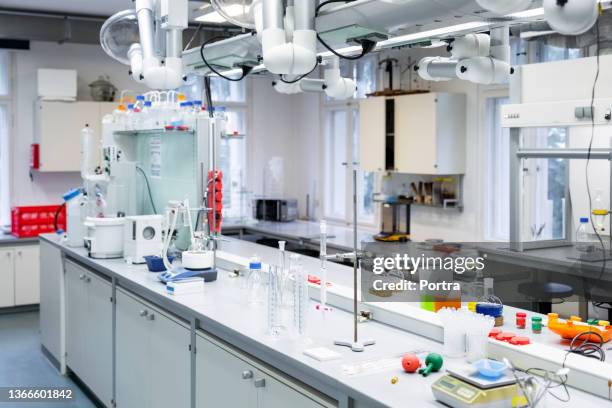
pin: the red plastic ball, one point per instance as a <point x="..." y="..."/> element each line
<point x="410" y="363"/>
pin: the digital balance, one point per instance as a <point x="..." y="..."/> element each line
<point x="463" y="387"/>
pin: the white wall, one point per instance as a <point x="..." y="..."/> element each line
<point x="90" y="62"/>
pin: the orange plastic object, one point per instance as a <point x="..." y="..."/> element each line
<point x="410" y="363"/>
<point x="568" y="329"/>
<point x="449" y="303"/>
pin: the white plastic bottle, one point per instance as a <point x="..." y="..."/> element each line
<point x="129" y="118"/>
<point x="90" y="152"/>
<point x="187" y="115"/>
<point x="255" y="285"/>
<point x="147" y="116"/>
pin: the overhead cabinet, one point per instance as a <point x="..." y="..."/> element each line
<point x="57" y="132"/>
<point x="414" y="134"/>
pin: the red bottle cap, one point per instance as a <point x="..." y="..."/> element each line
<point x="521" y="314"/>
<point x="520" y="341"/>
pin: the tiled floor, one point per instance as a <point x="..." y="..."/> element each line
<point x="22" y="363"/>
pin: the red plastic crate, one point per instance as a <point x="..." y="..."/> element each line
<point x="31" y="221"/>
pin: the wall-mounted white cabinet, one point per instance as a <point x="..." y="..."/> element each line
<point x="89" y="328"/>
<point x="153" y="357"/>
<point x="228" y="378"/>
<point x="20" y="274"/>
<point x="414" y="134"/>
<point x="57" y="131"/>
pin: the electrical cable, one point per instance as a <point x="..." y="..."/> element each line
<point x="298" y="79"/>
<point x="245" y="69"/>
<point x="197" y="31"/>
<point x="366" y="45"/>
<point x="148" y="189"/>
<point x="590" y="149"/>
<point x="56" y="216"/>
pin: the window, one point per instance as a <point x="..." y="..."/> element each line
<point x="341" y="145"/>
<point x="5" y="103"/>
<point x="544" y="182"/>
<point x="232" y="149"/>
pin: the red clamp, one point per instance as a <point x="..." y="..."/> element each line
<point x="216" y="202"/>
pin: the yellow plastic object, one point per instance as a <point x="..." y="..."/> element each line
<point x="568" y="329"/>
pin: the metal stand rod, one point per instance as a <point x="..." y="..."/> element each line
<point x="355" y="345"/>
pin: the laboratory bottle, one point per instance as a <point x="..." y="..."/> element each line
<point x="600" y="211"/>
<point x="255" y="285"/>
<point x="147" y="117"/>
<point x="140" y="103"/>
<point x="220" y="115"/>
<point x="187" y="116"/>
<point x="90" y="152"/>
<point x="119" y="117"/>
<point x="176" y="115"/>
<point x="584" y="243"/>
<point x="129" y="117"/>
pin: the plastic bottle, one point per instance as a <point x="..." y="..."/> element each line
<point x="187" y="115"/>
<point x="255" y="284"/>
<point x="147" y="117"/>
<point x="129" y="118"/>
<point x="221" y="117"/>
<point x="584" y="243"/>
<point x="90" y="152"/>
<point x="119" y="116"/>
<point x="600" y="211"/>
<point x="176" y="116"/>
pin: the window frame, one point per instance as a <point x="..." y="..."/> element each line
<point x="6" y="164"/>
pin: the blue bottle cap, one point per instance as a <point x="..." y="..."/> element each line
<point x="188" y="103"/>
<point x="197" y="102"/>
<point x="489" y="309"/>
<point x="148" y="104"/>
<point x="254" y="265"/>
<point x="140" y="98"/>
<point x="131" y="106"/>
<point x="584" y="220"/>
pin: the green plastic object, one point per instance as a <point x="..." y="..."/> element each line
<point x="433" y="364"/>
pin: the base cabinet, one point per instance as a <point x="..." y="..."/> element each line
<point x="225" y="377"/>
<point x="20" y="274"/>
<point x="153" y="358"/>
<point x="89" y="328"/>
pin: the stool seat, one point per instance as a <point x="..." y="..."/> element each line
<point x="546" y="290"/>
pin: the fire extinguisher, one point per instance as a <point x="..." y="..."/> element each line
<point x="215" y="217"/>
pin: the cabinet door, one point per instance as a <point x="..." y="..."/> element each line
<point x="133" y="372"/>
<point x="51" y="282"/>
<point x="99" y="338"/>
<point x="59" y="128"/>
<point x="170" y="354"/>
<point x="7" y="277"/>
<point x="372" y="126"/>
<point x="220" y="381"/>
<point x="76" y="318"/>
<point x="274" y="394"/>
<point x="27" y="275"/>
<point x="415" y="134"/>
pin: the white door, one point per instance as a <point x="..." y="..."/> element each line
<point x="76" y="318"/>
<point x="133" y="354"/>
<point x="27" y="275"/>
<point x="274" y="394"/>
<point x="7" y="277"/>
<point x="99" y="343"/>
<point x="223" y="380"/>
<point x="170" y="362"/>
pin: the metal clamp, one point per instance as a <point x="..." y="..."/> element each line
<point x="151" y="317"/>
<point x="247" y="375"/>
<point x="82" y="276"/>
<point x="87" y="279"/>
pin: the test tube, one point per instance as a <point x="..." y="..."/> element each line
<point x="300" y="294"/>
<point x="273" y="304"/>
<point x="323" y="255"/>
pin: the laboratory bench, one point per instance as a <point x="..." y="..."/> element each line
<point x="132" y="344"/>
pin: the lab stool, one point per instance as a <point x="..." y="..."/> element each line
<point x="544" y="293"/>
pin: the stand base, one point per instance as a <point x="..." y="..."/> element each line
<point x="357" y="347"/>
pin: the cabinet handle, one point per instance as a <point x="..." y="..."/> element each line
<point x="260" y="383"/>
<point x="82" y="276"/>
<point x="151" y="317"/>
<point x="88" y="279"/>
<point x="143" y="313"/>
<point x="19" y="253"/>
<point x="247" y="375"/>
<point x="8" y="254"/>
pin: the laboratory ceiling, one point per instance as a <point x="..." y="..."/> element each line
<point x="89" y="7"/>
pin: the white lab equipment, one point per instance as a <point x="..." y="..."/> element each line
<point x="76" y="211"/>
<point x="104" y="237"/>
<point x="255" y="286"/>
<point x="571" y="17"/>
<point x="465" y="333"/>
<point x="142" y="237"/>
<point x="185" y="286"/>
